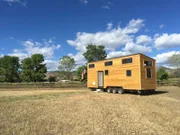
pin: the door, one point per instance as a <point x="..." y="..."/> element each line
<point x="100" y="79"/>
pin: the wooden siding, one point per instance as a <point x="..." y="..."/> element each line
<point x="117" y="73"/>
<point x="148" y="83"/>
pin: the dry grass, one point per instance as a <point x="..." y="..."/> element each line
<point x="89" y="113"/>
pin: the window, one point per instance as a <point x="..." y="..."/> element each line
<point x="148" y="73"/>
<point x="109" y="63"/>
<point x="147" y="63"/>
<point x="91" y="66"/>
<point x="128" y="72"/>
<point x="106" y="72"/>
<point x="125" y="61"/>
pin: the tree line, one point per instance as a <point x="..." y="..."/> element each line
<point x="30" y="69"/>
<point x="33" y="69"/>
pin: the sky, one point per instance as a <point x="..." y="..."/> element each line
<point x="56" y="28"/>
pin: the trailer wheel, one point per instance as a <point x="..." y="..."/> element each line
<point x="120" y="90"/>
<point x="140" y="92"/>
<point x="114" y="90"/>
<point x="152" y="91"/>
<point x="109" y="90"/>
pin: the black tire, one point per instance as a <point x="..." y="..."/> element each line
<point x="120" y="91"/>
<point x="114" y="90"/>
<point x="109" y="90"/>
<point x="140" y="92"/>
<point x="152" y="91"/>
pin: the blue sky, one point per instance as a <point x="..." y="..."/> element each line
<point x="65" y="27"/>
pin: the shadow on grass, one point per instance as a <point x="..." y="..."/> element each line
<point x="145" y="93"/>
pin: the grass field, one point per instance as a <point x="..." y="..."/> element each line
<point x="76" y="112"/>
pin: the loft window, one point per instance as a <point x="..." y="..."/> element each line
<point x="109" y="63"/>
<point x="149" y="73"/>
<point x="91" y="65"/>
<point x="106" y="72"/>
<point x="147" y="63"/>
<point x="125" y="61"/>
<point x="128" y="72"/>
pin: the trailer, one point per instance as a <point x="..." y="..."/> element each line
<point x="136" y="72"/>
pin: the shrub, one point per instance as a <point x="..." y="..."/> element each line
<point x="52" y="78"/>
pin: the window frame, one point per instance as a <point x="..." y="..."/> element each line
<point x="128" y="72"/>
<point x="148" y="65"/>
<point x="147" y="73"/>
<point x="92" y="66"/>
<point x="127" y="60"/>
<point x="106" y="71"/>
<point x="105" y="63"/>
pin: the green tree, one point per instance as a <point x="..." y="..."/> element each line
<point x="162" y="74"/>
<point x="52" y="78"/>
<point x="27" y="70"/>
<point x="79" y="73"/>
<point x="95" y="53"/>
<point x="174" y="61"/>
<point x="33" y="69"/>
<point x="9" y="69"/>
<point x="67" y="64"/>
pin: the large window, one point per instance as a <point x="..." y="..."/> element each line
<point x="128" y="72"/>
<point x="91" y="65"/>
<point x="109" y="63"/>
<point x="149" y="72"/>
<point x="125" y="61"/>
<point x="147" y="63"/>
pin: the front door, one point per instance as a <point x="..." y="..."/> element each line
<point x="100" y="79"/>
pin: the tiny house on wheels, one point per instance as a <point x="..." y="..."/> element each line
<point x="131" y="72"/>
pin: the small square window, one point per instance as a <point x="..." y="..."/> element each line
<point x="128" y="72"/>
<point x="106" y="72"/>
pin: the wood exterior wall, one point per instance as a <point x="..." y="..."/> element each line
<point x="117" y="73"/>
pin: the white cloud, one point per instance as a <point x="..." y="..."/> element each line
<point x="52" y="65"/>
<point x="161" y="26"/>
<point x="79" y="58"/>
<point x="112" y="39"/>
<point x="107" y="6"/>
<point x="12" y="38"/>
<point x="134" y="26"/>
<point x="84" y="2"/>
<point x="167" y="41"/>
<point x="113" y="54"/>
<point x="163" y="58"/>
<point x="46" y="48"/>
<point x="156" y="35"/>
<point x="1" y="55"/>
<point x="109" y="26"/>
<point x="146" y="30"/>
<point x="20" y="55"/>
<point x="143" y="39"/>
<point x="135" y="48"/>
<point x="22" y="2"/>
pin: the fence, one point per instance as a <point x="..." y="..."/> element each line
<point x="42" y="85"/>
